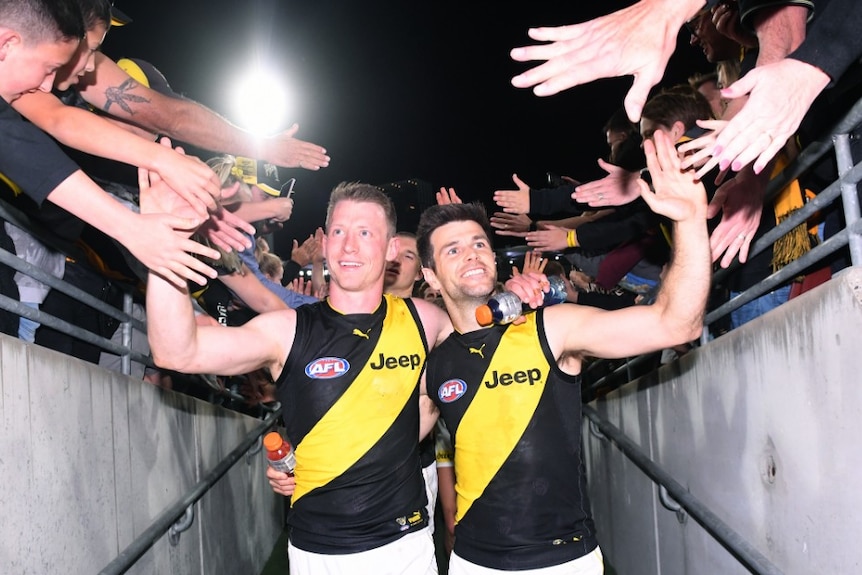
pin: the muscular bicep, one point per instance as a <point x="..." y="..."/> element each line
<point x="44" y="110"/>
<point x="580" y="331"/>
<point x="263" y="342"/>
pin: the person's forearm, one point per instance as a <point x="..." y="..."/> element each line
<point x="551" y="200"/>
<point x="608" y="233"/>
<point x="252" y="292"/>
<point x="131" y="128"/>
<point x="446" y="495"/>
<point x="833" y="42"/>
<point x="114" y="92"/>
<point x="82" y="197"/>
<point x="682" y="297"/>
<point x="684" y="9"/>
<point x="196" y="124"/>
<point x="575" y="222"/>
<point x="171" y="327"/>
<point x="318" y="281"/>
<point x="256" y="211"/>
<point x="290" y="298"/>
<point x="88" y="132"/>
<point x="191" y="122"/>
<point x="779" y="31"/>
<point x="428" y="414"/>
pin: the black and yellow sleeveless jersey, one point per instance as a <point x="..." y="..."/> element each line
<point x="515" y="422"/>
<point x="350" y="394"/>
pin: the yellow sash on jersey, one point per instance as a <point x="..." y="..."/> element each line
<point x="498" y="416"/>
<point x="367" y="409"/>
<point x="16" y="189"/>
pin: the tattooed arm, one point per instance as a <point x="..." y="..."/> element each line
<point x="87" y="132"/>
<point x="114" y="92"/>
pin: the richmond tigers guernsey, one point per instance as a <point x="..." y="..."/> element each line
<point x="350" y="394"/>
<point x="515" y="422"/>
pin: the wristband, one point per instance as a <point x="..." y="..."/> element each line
<point x="570" y="239"/>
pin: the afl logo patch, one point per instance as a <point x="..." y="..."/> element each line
<point x="452" y="390"/>
<point x="327" y="368"/>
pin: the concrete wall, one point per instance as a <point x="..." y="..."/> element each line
<point x="88" y="458"/>
<point x="763" y="426"/>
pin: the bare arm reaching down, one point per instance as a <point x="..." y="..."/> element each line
<point x="677" y="315"/>
<point x="178" y="343"/>
<point x="114" y="92"/>
<point x="87" y="132"/>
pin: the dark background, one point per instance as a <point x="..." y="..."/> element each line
<point x="393" y="89"/>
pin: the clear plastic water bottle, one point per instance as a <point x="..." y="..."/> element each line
<point x="279" y="453"/>
<point x="506" y="307"/>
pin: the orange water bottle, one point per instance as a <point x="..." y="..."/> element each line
<point x="279" y="453"/>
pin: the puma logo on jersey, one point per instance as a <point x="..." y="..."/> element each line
<point x="412" y="361"/>
<point x="359" y="333"/>
<point x="409" y="521"/>
<point x="530" y="377"/>
<point x="478" y="351"/>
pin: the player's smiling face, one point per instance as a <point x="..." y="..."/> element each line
<point x="464" y="261"/>
<point x="357" y="245"/>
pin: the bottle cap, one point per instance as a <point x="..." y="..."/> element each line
<point x="272" y="441"/>
<point x="484" y="315"/>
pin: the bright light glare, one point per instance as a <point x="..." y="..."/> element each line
<point x="261" y="102"/>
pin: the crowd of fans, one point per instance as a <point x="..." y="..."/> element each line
<point x="614" y="246"/>
<point x="209" y="227"/>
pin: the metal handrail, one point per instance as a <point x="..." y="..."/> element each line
<point x="735" y="544"/>
<point x="844" y="187"/>
<point x="74" y="292"/>
<point x="16" y="217"/>
<point x="127" y="321"/>
<point x="625" y="368"/>
<point x="819" y="202"/>
<point x="180" y="516"/>
<point x="673" y="495"/>
<point x="124" y="316"/>
<point x="17" y="307"/>
<point x="789" y="271"/>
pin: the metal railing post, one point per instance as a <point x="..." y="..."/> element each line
<point x="849" y="194"/>
<point x="126" y="334"/>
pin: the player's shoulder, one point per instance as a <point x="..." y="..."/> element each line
<point x="434" y="319"/>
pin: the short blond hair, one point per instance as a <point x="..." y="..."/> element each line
<point x="359" y="192"/>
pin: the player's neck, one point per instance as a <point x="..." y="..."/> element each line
<point x="366" y="301"/>
<point x="463" y="315"/>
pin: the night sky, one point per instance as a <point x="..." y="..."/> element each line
<point x="393" y="89"/>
